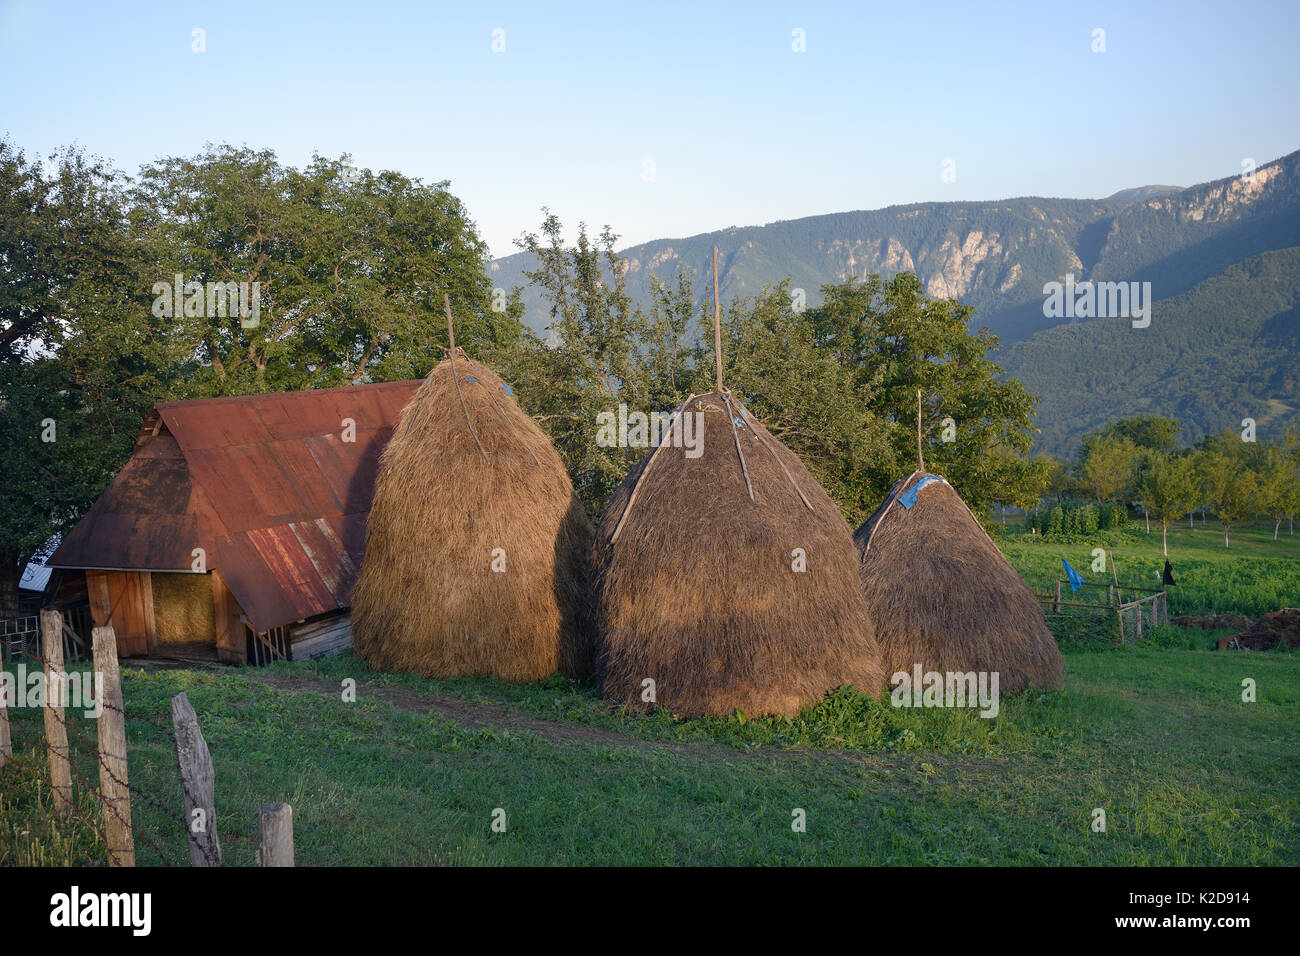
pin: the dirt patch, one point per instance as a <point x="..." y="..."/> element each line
<point x="1274" y="629"/>
<point x="484" y="715"/>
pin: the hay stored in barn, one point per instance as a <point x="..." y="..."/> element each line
<point x="699" y="588"/>
<point x="476" y="546"/>
<point x="182" y="608"/>
<point x="942" y="595"/>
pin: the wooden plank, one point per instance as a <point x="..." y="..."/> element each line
<point x="145" y="584"/>
<point x="113" y="784"/>
<point x="198" y="785"/>
<point x="232" y="646"/>
<point x="56" y="731"/>
<point x="116" y="599"/>
<point x="275" y="833"/>
<point x="97" y="590"/>
<point x="319" y="638"/>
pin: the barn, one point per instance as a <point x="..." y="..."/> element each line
<point x="236" y="528"/>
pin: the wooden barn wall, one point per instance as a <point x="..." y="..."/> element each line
<point x="124" y="599"/>
<point x="232" y="640"/>
<point x="327" y="634"/>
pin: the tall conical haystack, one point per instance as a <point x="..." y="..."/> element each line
<point x="942" y="595"/>
<point x="696" y="584"/>
<point x="447" y="497"/>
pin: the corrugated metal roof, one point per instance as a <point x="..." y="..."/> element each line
<point x="265" y="484"/>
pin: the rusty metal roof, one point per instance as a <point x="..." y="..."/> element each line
<point x="265" y="484"/>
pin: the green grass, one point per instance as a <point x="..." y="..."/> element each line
<point x="1156" y="735"/>
<point x="1159" y="738"/>
<point x="1252" y="576"/>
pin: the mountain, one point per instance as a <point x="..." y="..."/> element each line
<point x="1143" y="193"/>
<point x="1224" y="350"/>
<point x="995" y="256"/>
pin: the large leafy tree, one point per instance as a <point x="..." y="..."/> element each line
<point x="1107" y="466"/>
<point x="81" y="356"/>
<point x="978" y="427"/>
<point x="351" y="266"/>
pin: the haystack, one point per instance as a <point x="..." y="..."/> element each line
<point x="727" y="579"/>
<point x="476" y="546"/>
<point x="941" y="594"/>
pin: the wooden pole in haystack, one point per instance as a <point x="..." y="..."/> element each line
<point x="451" y="352"/>
<point x="717" y="320"/>
<point x="717" y="355"/>
<point x="920" y="459"/>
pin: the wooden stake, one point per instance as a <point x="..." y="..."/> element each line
<point x="717" y="320"/>
<point x="920" y="459"/>
<point x="6" y="743"/>
<point x="275" y="832"/>
<point x="198" y="785"/>
<point x="113" y="786"/>
<point x="451" y="343"/>
<point x="56" y="731"/>
<point x="451" y="332"/>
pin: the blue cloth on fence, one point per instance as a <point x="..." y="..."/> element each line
<point x="908" y="498"/>
<point x="1076" y="579"/>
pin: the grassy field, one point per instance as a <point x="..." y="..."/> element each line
<point x="1252" y="576"/>
<point x="412" y="772"/>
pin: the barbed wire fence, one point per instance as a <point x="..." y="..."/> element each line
<point x="114" y="794"/>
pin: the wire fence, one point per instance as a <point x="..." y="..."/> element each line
<point x="1124" y="613"/>
<point x="67" y="745"/>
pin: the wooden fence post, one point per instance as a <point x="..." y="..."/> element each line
<point x="6" y="744"/>
<point x="275" y="829"/>
<point x="198" y="785"/>
<point x="1138" y="639"/>
<point x="114" y="791"/>
<point x="1056" y="608"/>
<point x="56" y="731"/>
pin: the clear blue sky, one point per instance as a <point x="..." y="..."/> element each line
<point x="741" y="129"/>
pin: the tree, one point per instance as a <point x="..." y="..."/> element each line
<point x="805" y="397"/>
<point x="894" y="340"/>
<point x="593" y="364"/>
<point x="1107" y="468"/>
<point x="350" y="268"/>
<point x="1152" y="432"/>
<point x="1231" y="490"/>
<point x="1279" y="489"/>
<point x="81" y="356"/>
<point x="1167" y="485"/>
